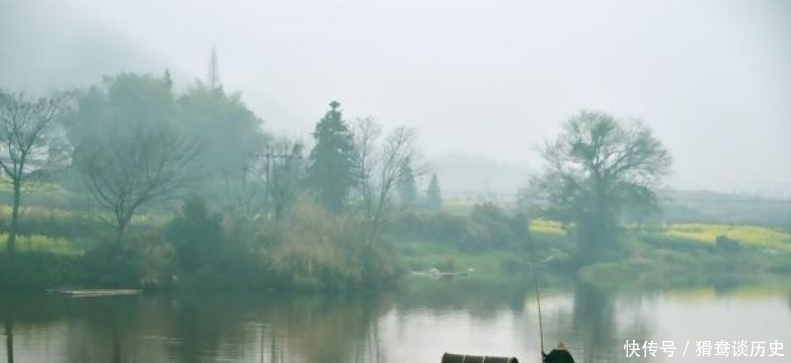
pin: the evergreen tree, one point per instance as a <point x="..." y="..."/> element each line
<point x="434" y="195"/>
<point x="168" y="79"/>
<point x="331" y="160"/>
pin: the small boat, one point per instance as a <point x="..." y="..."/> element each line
<point x="460" y="358"/>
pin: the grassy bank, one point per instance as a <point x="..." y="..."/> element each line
<point x="485" y="243"/>
<point x="684" y="255"/>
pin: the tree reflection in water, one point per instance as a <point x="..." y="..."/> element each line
<point x="256" y="328"/>
<point x="593" y="319"/>
<point x="194" y="329"/>
<point x="597" y="326"/>
<point x="8" y="328"/>
<point x="328" y="329"/>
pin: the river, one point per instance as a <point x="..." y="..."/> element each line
<point x="401" y="327"/>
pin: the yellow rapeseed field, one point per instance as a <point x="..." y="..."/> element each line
<point x="751" y="235"/>
<point x="39" y="243"/>
<point x="546" y="227"/>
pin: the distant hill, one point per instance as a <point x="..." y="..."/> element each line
<point x="45" y="45"/>
<point x="708" y="195"/>
<point x="471" y="177"/>
<point x="713" y="207"/>
<point x="474" y="179"/>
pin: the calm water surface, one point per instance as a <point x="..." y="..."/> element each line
<point x="404" y="327"/>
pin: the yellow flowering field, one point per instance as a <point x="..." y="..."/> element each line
<point x="752" y="235"/>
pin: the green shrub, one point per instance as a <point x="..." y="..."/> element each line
<point x="448" y="264"/>
<point x="36" y="271"/>
<point x="486" y="228"/>
<point x="727" y="245"/>
<point x="196" y="235"/>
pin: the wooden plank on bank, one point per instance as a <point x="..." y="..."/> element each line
<point x="94" y="292"/>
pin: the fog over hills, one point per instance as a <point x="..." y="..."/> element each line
<point x="490" y="180"/>
<point x="48" y="45"/>
<point x="483" y="85"/>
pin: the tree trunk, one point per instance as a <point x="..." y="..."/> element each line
<point x="119" y="233"/>
<point x="12" y="229"/>
<point x="116" y="345"/>
<point x="120" y="230"/>
<point x="12" y="232"/>
<point x="9" y="338"/>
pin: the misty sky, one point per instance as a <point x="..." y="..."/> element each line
<point x="486" y="78"/>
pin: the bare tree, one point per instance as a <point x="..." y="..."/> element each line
<point x="268" y="179"/>
<point x="380" y="166"/>
<point x="126" y="172"/>
<point x="366" y="134"/>
<point x="284" y="167"/>
<point x="599" y="170"/>
<point x="26" y="131"/>
<point x="245" y="187"/>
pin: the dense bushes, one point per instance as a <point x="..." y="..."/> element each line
<point x="486" y="228"/>
<point x="39" y="271"/>
<point x="196" y="235"/>
<point x="55" y="223"/>
<point x="308" y="250"/>
<point x="727" y="245"/>
<point x="143" y="259"/>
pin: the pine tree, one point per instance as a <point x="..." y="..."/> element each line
<point x="433" y="194"/>
<point x="168" y="79"/>
<point x="331" y="160"/>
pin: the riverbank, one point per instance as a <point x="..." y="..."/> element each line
<point x="483" y="248"/>
<point x="684" y="255"/>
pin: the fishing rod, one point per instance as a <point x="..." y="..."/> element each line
<point x="538" y="299"/>
<point x="538" y="302"/>
<point x="535" y="281"/>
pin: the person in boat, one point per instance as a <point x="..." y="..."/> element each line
<point x="558" y="355"/>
